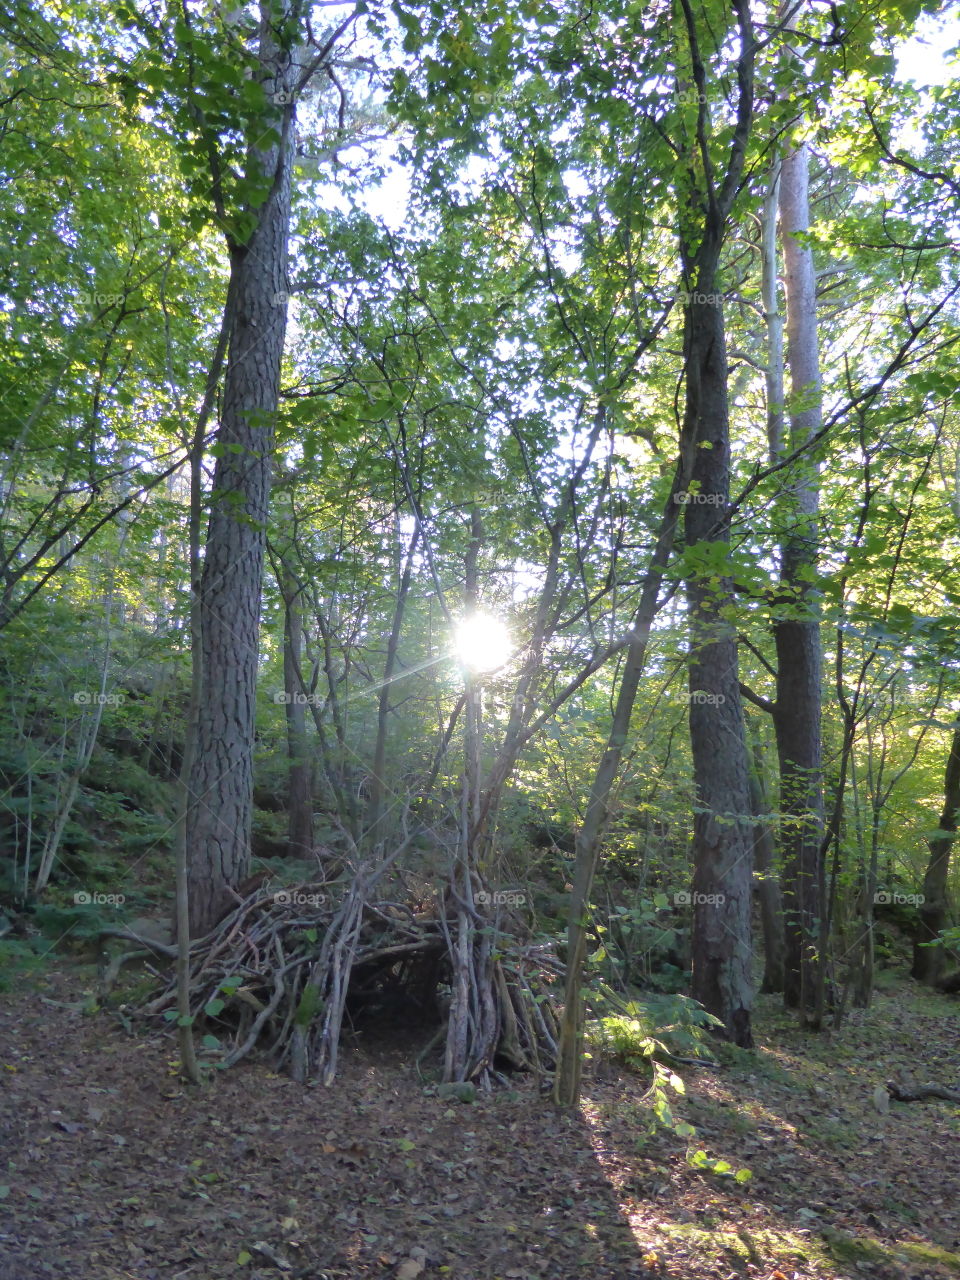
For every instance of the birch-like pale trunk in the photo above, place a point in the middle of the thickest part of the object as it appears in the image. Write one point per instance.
(797, 708)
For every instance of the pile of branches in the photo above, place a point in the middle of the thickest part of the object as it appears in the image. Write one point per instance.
(276, 974)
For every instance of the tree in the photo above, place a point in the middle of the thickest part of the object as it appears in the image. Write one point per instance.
(723, 817)
(796, 625)
(928, 954)
(221, 785)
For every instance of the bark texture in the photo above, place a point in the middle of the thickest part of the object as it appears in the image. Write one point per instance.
(723, 820)
(221, 787)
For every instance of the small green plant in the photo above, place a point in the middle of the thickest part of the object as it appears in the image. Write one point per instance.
(679, 1025)
(697, 1158)
(650, 1037)
(628, 1039)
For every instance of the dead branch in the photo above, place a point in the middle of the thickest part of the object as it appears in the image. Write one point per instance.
(920, 1092)
(278, 973)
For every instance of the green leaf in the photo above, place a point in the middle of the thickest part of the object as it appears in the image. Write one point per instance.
(214, 1007)
(380, 409)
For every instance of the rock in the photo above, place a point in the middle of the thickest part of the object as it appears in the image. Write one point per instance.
(881, 1100)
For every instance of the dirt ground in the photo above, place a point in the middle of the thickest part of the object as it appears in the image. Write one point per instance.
(112, 1169)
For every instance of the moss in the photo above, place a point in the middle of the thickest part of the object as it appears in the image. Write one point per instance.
(833, 1133)
(760, 1247)
(856, 1249)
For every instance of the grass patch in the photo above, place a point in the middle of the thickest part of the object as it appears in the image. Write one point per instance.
(21, 962)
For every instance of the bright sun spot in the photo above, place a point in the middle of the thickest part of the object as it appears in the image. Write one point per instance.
(482, 643)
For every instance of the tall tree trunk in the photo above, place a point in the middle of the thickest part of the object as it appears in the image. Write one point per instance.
(796, 626)
(772, 315)
(299, 761)
(710, 209)
(928, 960)
(181, 910)
(767, 881)
(221, 785)
(723, 822)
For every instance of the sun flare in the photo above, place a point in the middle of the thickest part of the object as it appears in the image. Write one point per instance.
(482, 643)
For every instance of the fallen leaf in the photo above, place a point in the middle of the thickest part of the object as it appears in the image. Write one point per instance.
(411, 1267)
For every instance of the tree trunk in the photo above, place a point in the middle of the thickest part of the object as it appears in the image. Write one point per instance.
(767, 881)
(181, 910)
(773, 316)
(928, 960)
(221, 786)
(723, 822)
(300, 763)
(796, 625)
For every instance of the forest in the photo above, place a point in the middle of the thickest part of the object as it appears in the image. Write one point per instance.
(479, 657)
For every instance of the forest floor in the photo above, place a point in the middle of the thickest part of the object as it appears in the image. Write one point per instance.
(113, 1169)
